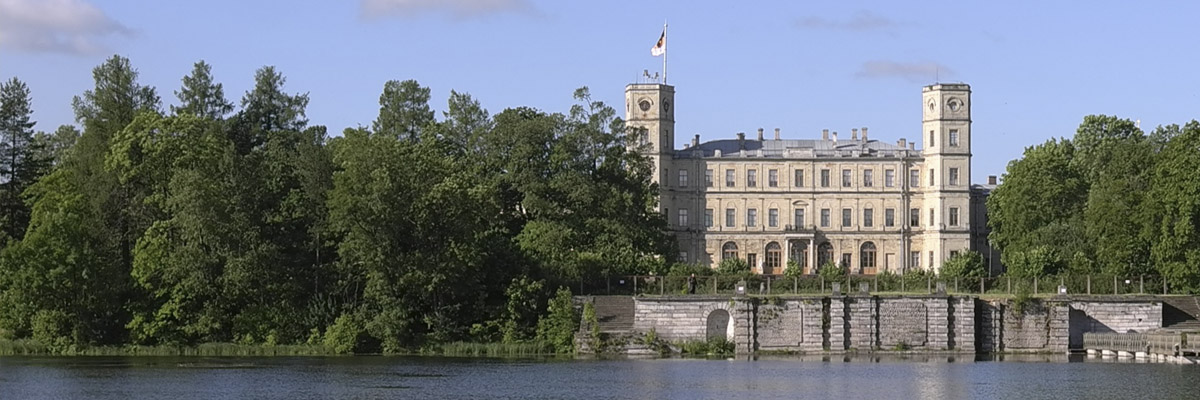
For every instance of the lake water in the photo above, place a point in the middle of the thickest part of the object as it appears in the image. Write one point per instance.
(916, 377)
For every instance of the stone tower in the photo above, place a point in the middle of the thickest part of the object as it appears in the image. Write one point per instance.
(946, 135)
(650, 109)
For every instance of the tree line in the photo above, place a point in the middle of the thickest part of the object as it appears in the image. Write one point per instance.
(1111, 200)
(216, 222)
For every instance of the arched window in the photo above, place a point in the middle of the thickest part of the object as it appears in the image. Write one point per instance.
(824, 254)
(774, 259)
(729, 251)
(867, 257)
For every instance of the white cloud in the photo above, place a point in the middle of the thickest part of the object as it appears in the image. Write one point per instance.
(456, 8)
(62, 26)
(914, 72)
(861, 22)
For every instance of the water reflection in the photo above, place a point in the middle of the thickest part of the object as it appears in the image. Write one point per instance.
(1022, 377)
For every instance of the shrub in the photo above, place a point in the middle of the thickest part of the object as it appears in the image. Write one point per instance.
(733, 266)
(968, 264)
(793, 270)
(832, 272)
(681, 269)
(54, 329)
(557, 328)
(348, 335)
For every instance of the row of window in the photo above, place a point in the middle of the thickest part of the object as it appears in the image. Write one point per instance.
(868, 178)
(868, 217)
(867, 256)
(953, 138)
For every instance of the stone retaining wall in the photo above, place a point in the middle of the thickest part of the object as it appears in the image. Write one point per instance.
(868, 323)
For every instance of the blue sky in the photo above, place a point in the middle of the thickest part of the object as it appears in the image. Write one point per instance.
(1036, 68)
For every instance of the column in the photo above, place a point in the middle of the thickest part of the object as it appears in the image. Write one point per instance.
(812, 254)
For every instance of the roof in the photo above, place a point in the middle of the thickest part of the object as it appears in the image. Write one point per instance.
(796, 148)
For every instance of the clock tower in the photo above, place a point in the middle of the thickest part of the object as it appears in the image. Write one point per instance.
(650, 121)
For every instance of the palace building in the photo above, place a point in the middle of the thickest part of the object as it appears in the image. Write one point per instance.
(869, 205)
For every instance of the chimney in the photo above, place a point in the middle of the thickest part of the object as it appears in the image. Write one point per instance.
(741, 140)
(824, 134)
(912, 146)
(776, 133)
(696, 140)
(864, 129)
(760, 137)
(835, 137)
(902, 143)
(992, 180)
(853, 133)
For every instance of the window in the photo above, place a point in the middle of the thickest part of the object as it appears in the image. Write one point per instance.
(931, 177)
(866, 258)
(845, 260)
(729, 181)
(751, 178)
(953, 216)
(683, 256)
(889, 217)
(729, 251)
(914, 217)
(914, 259)
(708, 218)
(845, 217)
(868, 217)
(708, 178)
(798, 218)
(868, 177)
(752, 217)
(931, 142)
(931, 217)
(846, 178)
(773, 217)
(914, 178)
(773, 178)
(730, 217)
(774, 259)
(953, 176)
(799, 181)
(683, 217)
(825, 178)
(683, 178)
(824, 254)
(954, 138)
(931, 259)
(824, 217)
(889, 178)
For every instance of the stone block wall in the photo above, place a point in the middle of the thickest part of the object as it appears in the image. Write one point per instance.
(684, 319)
(790, 325)
(1119, 316)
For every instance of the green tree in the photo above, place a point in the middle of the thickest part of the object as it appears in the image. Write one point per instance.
(1040, 203)
(1173, 227)
(55, 147)
(266, 109)
(968, 264)
(200, 96)
(403, 110)
(20, 161)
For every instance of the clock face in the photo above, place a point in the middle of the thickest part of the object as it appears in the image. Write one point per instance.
(666, 106)
(644, 105)
(954, 104)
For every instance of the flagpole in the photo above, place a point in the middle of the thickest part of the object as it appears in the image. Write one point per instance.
(664, 52)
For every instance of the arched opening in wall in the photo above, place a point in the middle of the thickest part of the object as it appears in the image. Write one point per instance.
(798, 252)
(729, 251)
(774, 259)
(867, 258)
(718, 325)
(824, 254)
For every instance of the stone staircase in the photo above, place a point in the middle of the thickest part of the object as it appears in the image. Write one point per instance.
(1181, 313)
(614, 313)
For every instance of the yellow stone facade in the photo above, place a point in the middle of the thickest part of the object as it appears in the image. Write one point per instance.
(869, 205)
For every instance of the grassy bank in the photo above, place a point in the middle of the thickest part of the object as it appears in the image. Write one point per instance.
(471, 349)
(26, 347)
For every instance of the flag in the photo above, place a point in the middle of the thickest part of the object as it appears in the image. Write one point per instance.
(660, 48)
